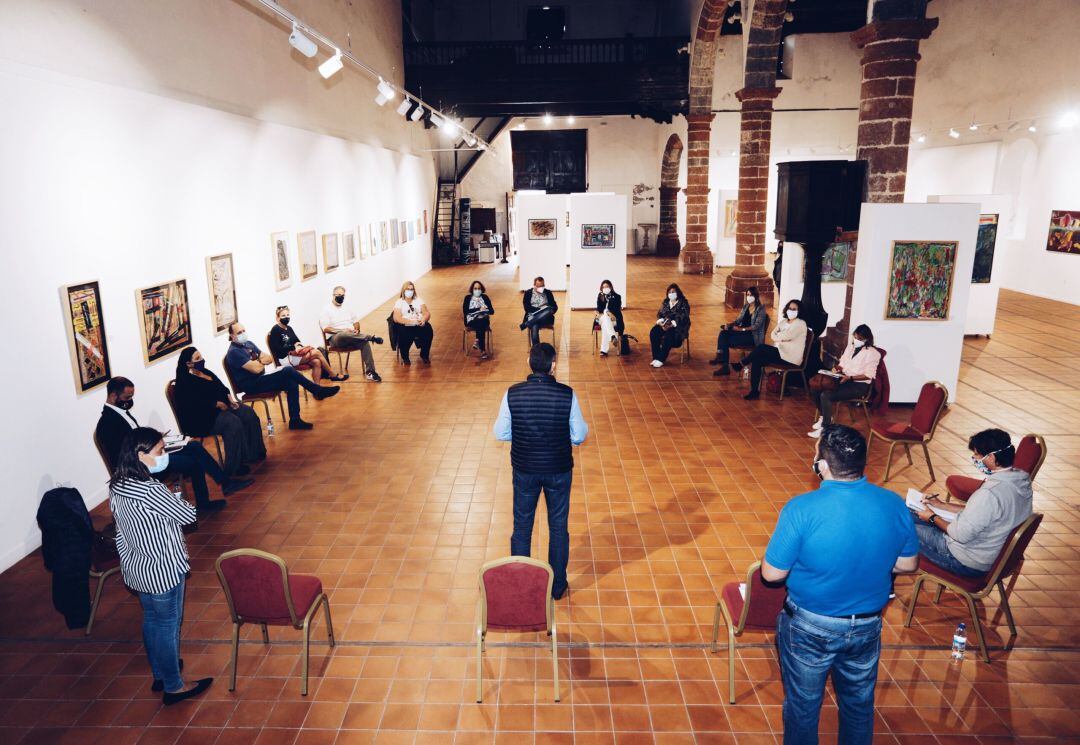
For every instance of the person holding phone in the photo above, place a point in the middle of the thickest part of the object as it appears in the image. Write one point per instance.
(672, 325)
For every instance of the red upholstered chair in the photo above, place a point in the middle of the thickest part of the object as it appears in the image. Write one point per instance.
(515, 595)
(919, 431)
(1007, 564)
(259, 589)
(1030, 454)
(756, 612)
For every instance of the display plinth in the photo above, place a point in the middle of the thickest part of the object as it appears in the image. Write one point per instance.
(589, 266)
(542, 237)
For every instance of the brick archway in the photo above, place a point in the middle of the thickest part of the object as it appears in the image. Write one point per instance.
(667, 240)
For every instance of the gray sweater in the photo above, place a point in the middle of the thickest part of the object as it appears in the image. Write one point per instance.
(1003, 501)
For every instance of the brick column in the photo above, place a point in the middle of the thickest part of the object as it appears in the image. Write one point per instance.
(890, 57)
(755, 141)
(667, 240)
(695, 257)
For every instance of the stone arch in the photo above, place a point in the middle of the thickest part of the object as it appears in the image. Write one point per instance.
(667, 239)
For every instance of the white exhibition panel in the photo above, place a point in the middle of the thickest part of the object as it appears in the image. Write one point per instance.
(591, 266)
(983, 300)
(918, 350)
(724, 253)
(833, 294)
(542, 258)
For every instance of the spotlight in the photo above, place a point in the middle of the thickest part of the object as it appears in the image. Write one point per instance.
(470, 139)
(920, 138)
(1070, 119)
(417, 113)
(734, 153)
(329, 68)
(519, 125)
(570, 119)
(448, 126)
(954, 134)
(1031, 127)
(302, 44)
(403, 107)
(436, 120)
(548, 119)
(386, 92)
(973, 127)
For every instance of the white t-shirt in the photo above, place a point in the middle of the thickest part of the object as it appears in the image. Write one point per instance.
(410, 309)
(336, 317)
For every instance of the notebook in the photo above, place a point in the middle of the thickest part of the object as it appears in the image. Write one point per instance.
(915, 502)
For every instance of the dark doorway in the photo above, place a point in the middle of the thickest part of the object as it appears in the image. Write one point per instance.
(554, 162)
(545, 23)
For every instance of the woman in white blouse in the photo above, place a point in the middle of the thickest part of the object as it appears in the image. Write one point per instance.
(411, 318)
(790, 337)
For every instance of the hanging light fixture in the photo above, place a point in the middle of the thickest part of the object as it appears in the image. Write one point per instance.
(301, 43)
(921, 138)
(1031, 127)
(954, 134)
(570, 119)
(385, 92)
(973, 126)
(331, 67)
(548, 119)
(403, 107)
(417, 113)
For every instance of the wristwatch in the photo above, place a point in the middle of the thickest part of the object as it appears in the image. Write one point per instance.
(931, 520)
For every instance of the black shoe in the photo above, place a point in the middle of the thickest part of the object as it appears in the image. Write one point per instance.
(407, 363)
(752, 396)
(234, 485)
(339, 378)
(522, 326)
(559, 594)
(603, 354)
(174, 698)
(715, 360)
(213, 505)
(159, 685)
(377, 339)
(242, 471)
(425, 360)
(326, 392)
(737, 366)
(373, 377)
(300, 424)
(721, 371)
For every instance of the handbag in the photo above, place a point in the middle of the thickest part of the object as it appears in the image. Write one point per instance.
(820, 383)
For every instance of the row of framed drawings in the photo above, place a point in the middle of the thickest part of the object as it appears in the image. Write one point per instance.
(340, 249)
(593, 235)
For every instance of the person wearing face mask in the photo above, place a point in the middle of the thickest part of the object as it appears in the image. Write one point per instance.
(790, 337)
(153, 555)
(412, 324)
(969, 544)
(287, 349)
(747, 331)
(540, 308)
(672, 325)
(204, 406)
(857, 369)
(837, 548)
(477, 309)
(609, 316)
(343, 328)
(191, 461)
(246, 366)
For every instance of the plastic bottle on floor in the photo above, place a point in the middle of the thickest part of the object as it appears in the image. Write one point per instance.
(269, 427)
(959, 643)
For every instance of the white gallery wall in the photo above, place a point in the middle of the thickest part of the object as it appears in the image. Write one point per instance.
(546, 257)
(591, 266)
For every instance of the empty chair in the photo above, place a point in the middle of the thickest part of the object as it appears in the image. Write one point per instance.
(919, 431)
(1030, 454)
(259, 589)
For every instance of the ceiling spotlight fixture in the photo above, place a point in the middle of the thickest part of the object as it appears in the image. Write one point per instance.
(548, 119)
(570, 119)
(1031, 127)
(954, 134)
(1070, 119)
(417, 113)
(403, 107)
(920, 138)
(973, 126)
(448, 126)
(734, 153)
(1014, 126)
(386, 92)
(331, 67)
(470, 139)
(302, 44)
(519, 125)
(436, 120)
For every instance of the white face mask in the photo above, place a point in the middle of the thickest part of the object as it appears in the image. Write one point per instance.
(539, 290)
(477, 292)
(672, 297)
(606, 290)
(749, 299)
(857, 343)
(409, 294)
(242, 338)
(792, 314)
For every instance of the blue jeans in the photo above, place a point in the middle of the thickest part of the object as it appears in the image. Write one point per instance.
(932, 546)
(162, 616)
(812, 646)
(556, 488)
(287, 379)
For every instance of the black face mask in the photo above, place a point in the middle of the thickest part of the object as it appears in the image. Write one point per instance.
(285, 319)
(816, 466)
(339, 299)
(200, 365)
(125, 405)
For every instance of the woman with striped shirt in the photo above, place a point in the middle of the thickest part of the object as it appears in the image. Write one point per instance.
(153, 555)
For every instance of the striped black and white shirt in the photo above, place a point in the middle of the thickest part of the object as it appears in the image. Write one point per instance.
(149, 517)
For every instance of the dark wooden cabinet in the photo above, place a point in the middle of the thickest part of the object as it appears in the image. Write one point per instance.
(555, 162)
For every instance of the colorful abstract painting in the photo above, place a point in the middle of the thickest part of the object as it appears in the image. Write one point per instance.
(984, 250)
(1064, 236)
(920, 280)
(598, 235)
(543, 230)
(834, 262)
(86, 334)
(731, 217)
(164, 319)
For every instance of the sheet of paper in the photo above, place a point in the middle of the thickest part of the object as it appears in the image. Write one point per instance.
(915, 502)
(830, 373)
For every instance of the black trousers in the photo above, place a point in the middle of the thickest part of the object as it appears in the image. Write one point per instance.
(729, 338)
(241, 432)
(664, 341)
(421, 336)
(195, 463)
(761, 355)
(542, 319)
(480, 326)
(844, 392)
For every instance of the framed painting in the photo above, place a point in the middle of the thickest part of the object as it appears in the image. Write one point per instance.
(731, 217)
(403, 232)
(920, 280)
(309, 255)
(412, 230)
(330, 253)
(348, 247)
(86, 335)
(425, 221)
(164, 319)
(1064, 236)
(598, 235)
(384, 236)
(545, 229)
(279, 250)
(363, 243)
(984, 250)
(221, 280)
(834, 262)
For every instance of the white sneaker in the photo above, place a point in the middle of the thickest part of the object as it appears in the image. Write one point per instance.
(814, 433)
(656, 363)
(818, 423)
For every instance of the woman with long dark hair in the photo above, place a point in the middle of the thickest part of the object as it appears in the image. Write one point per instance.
(476, 310)
(609, 316)
(851, 378)
(790, 338)
(747, 332)
(153, 555)
(204, 406)
(672, 325)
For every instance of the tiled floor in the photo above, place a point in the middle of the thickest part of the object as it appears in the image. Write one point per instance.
(400, 493)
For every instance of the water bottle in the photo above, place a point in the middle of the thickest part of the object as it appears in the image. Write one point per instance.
(959, 643)
(270, 428)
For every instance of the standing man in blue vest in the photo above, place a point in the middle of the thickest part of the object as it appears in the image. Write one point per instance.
(541, 420)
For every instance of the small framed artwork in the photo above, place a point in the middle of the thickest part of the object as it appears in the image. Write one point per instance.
(363, 234)
(1064, 235)
(164, 319)
(348, 247)
(403, 232)
(279, 250)
(221, 280)
(731, 217)
(412, 230)
(984, 250)
(309, 254)
(425, 221)
(330, 254)
(834, 262)
(600, 235)
(86, 335)
(920, 280)
(545, 229)
(384, 236)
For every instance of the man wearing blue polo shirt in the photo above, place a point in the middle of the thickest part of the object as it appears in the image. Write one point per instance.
(838, 547)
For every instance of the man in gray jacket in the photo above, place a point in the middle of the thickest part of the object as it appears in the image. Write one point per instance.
(970, 544)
